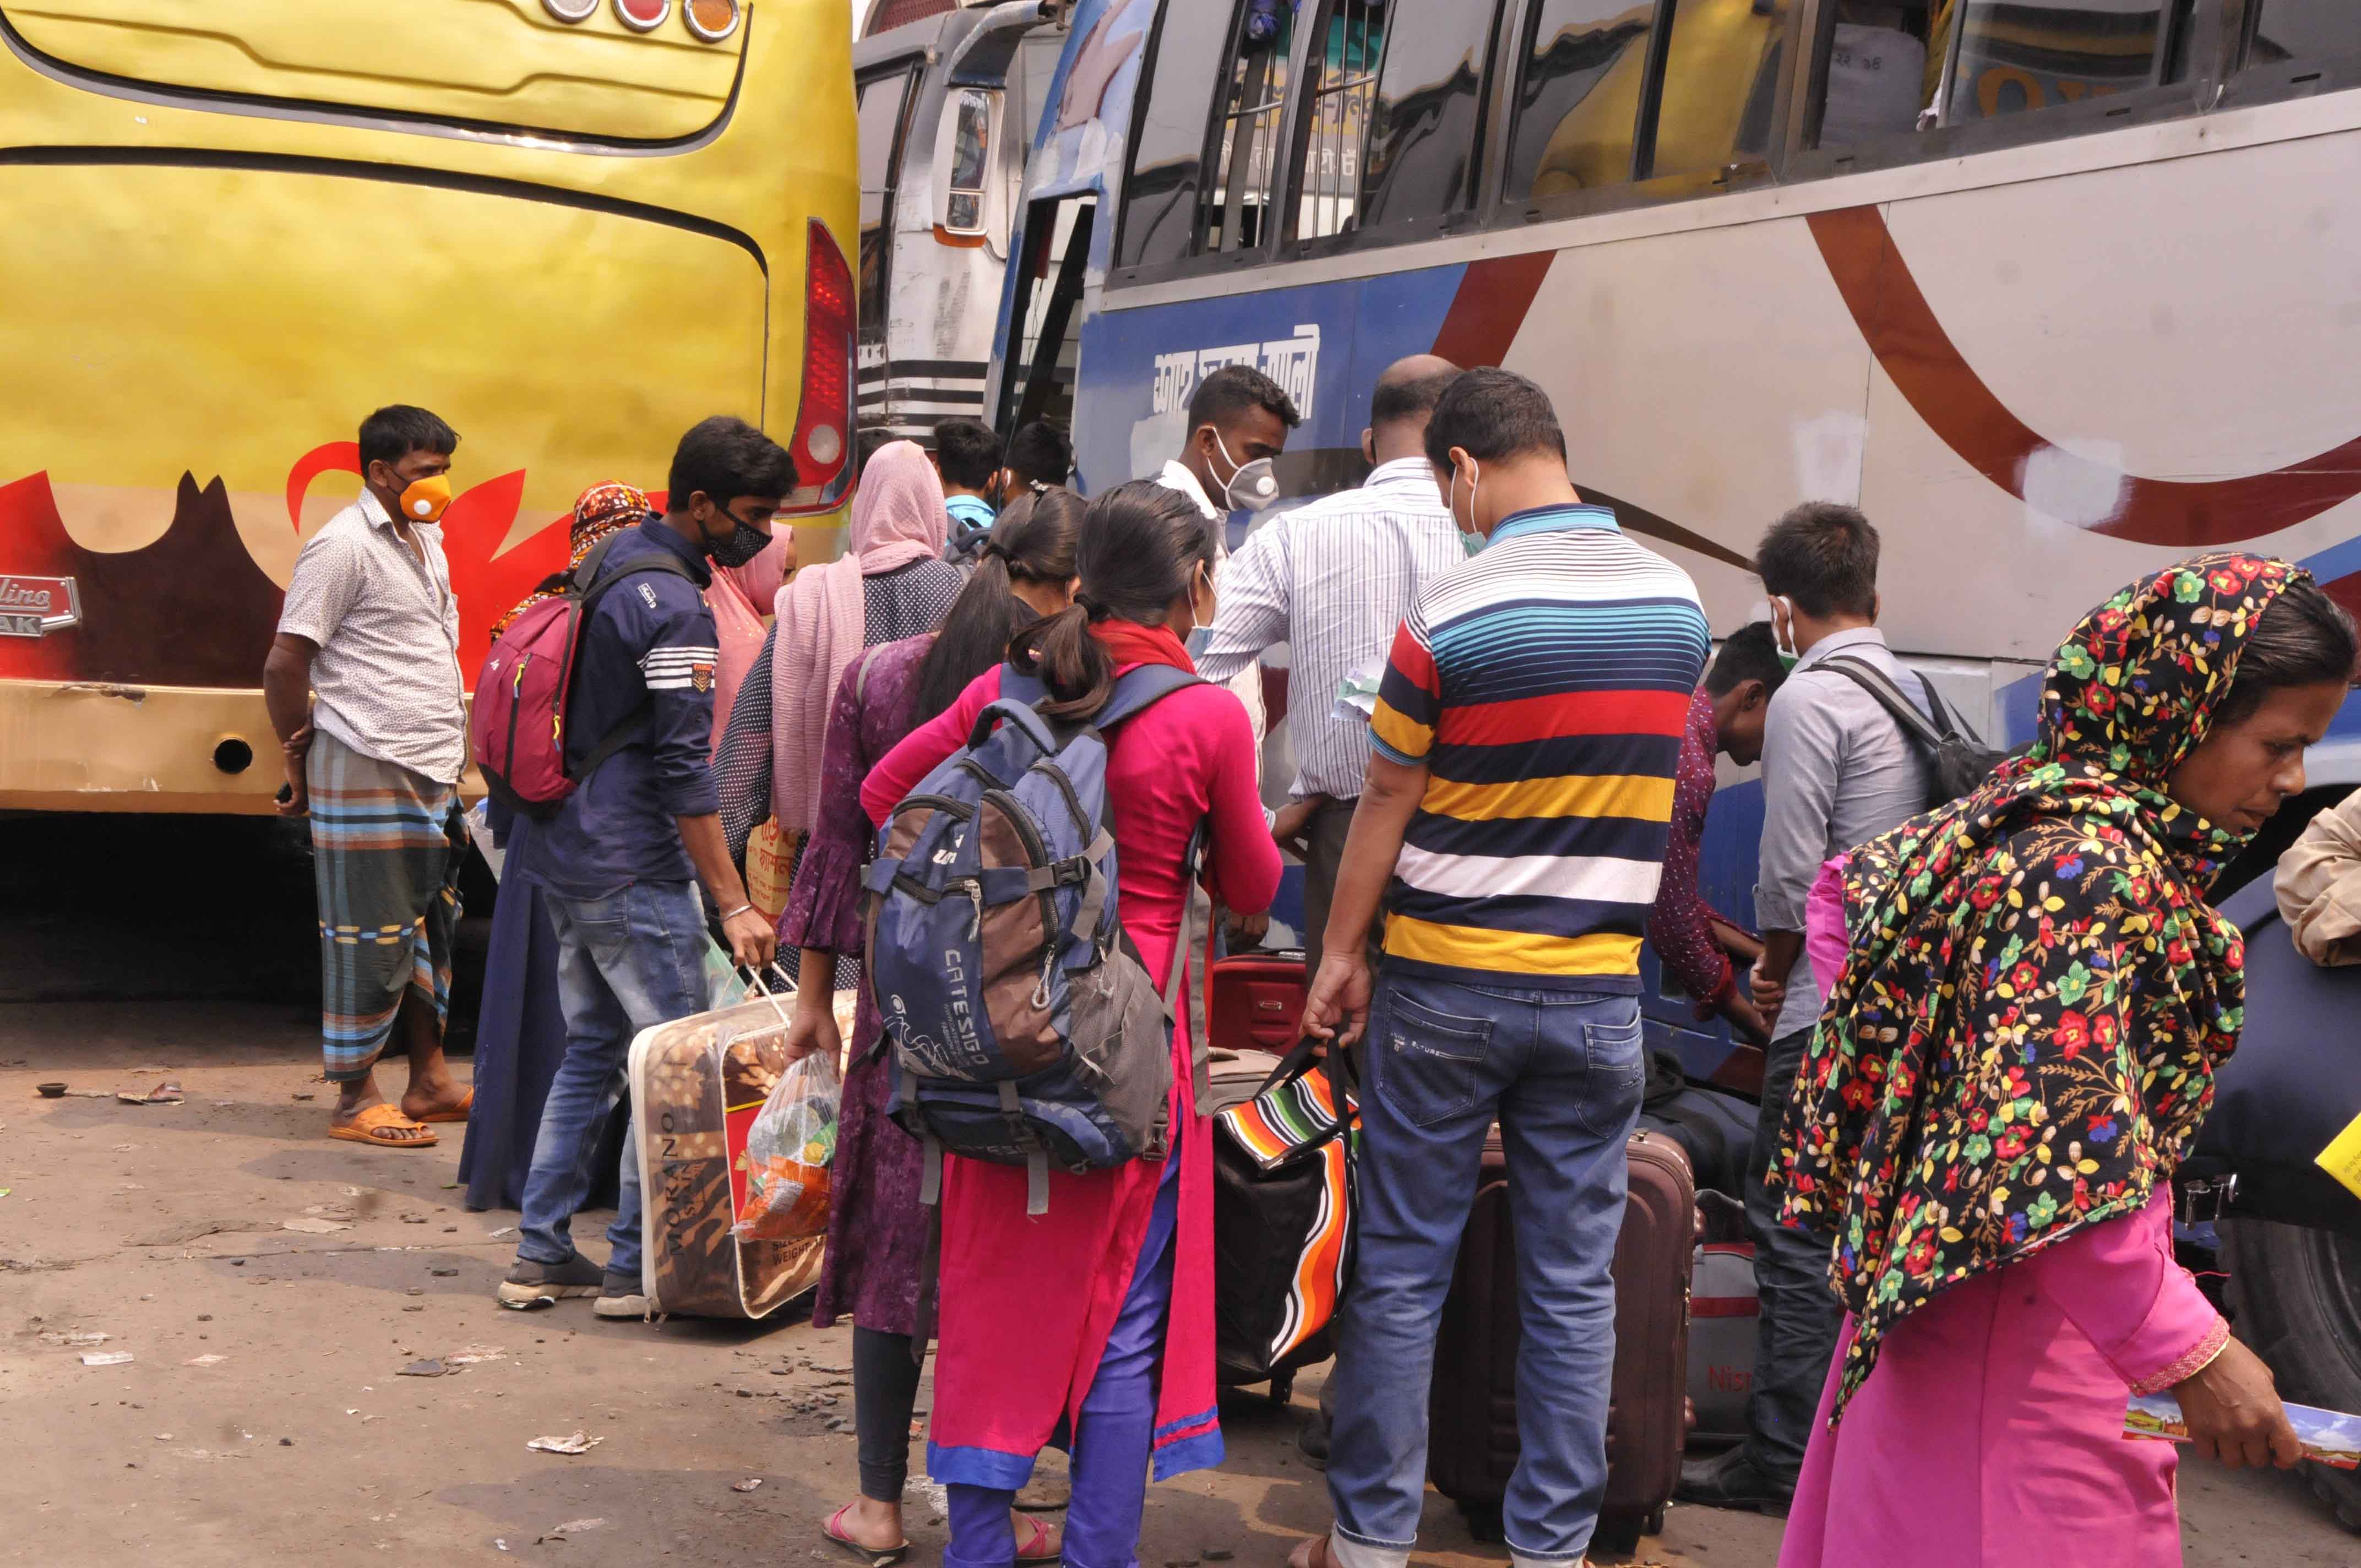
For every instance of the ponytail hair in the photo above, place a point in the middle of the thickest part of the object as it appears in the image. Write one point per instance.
(1141, 546)
(1033, 541)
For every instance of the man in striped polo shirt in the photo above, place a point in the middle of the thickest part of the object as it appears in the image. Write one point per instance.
(1514, 820)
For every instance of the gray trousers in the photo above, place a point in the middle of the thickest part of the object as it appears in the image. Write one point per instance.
(1795, 1337)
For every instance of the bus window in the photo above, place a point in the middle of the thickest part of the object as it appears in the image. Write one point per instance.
(884, 101)
(2298, 30)
(1721, 69)
(2018, 55)
(1880, 76)
(1422, 143)
(1168, 146)
(1579, 96)
(1244, 145)
(1344, 89)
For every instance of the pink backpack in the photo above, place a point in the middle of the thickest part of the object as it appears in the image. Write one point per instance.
(518, 723)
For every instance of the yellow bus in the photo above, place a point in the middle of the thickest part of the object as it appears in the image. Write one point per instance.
(571, 227)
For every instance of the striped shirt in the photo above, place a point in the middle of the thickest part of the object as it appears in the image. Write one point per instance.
(1544, 685)
(1333, 579)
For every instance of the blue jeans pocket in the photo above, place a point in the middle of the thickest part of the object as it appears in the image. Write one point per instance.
(1617, 1061)
(1428, 1070)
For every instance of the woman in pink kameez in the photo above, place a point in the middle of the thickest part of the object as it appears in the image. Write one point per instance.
(2019, 1050)
(1092, 1324)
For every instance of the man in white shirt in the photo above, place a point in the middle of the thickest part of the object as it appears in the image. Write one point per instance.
(1333, 581)
(1238, 420)
(363, 685)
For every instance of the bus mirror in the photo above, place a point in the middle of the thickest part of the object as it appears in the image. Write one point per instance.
(964, 162)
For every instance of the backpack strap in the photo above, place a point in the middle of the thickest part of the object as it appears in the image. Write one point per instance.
(1879, 684)
(1141, 688)
(588, 585)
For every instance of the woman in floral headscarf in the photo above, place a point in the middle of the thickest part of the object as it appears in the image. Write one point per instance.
(2019, 1051)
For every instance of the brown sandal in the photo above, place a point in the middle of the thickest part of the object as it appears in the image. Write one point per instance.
(378, 1123)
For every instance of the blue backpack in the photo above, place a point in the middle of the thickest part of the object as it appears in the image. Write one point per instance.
(1025, 1028)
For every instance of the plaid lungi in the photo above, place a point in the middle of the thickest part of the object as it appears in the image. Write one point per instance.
(387, 847)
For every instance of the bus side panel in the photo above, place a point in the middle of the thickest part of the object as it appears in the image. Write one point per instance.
(199, 383)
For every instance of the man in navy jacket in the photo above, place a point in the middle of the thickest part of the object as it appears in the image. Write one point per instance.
(616, 864)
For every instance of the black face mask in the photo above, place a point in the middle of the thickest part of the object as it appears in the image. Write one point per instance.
(745, 542)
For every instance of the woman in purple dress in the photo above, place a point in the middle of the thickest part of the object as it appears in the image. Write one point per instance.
(876, 1234)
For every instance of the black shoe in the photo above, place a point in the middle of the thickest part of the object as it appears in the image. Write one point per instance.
(619, 1297)
(1731, 1481)
(1312, 1439)
(529, 1283)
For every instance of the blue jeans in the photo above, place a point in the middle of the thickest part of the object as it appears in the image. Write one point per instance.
(625, 962)
(1117, 1431)
(1561, 1070)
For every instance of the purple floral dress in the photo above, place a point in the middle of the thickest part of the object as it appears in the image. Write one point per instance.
(876, 1234)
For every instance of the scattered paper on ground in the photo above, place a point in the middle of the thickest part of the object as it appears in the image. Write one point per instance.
(106, 1358)
(205, 1360)
(577, 1443)
(312, 1227)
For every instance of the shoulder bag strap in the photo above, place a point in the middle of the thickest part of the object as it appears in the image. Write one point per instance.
(1877, 683)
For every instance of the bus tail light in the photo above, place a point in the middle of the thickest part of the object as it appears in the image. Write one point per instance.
(823, 441)
(711, 20)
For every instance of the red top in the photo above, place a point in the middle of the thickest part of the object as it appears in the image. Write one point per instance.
(1026, 1304)
(1680, 924)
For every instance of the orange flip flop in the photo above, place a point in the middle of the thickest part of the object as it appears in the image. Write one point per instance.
(372, 1125)
(457, 1114)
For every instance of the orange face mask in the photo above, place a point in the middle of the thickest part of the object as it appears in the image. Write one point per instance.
(426, 499)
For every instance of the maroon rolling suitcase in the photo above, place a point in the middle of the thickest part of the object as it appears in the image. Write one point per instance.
(1472, 1446)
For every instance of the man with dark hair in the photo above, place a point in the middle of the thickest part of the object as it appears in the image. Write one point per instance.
(967, 455)
(615, 863)
(1037, 455)
(1837, 770)
(1695, 944)
(1238, 421)
(363, 687)
(1513, 822)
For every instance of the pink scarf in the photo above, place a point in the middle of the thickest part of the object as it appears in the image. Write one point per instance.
(898, 518)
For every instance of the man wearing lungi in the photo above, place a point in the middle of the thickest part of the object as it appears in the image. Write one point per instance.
(364, 688)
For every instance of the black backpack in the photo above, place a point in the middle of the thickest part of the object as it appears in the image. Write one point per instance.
(1957, 761)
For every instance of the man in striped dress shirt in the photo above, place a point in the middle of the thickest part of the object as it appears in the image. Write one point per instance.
(1332, 580)
(1514, 819)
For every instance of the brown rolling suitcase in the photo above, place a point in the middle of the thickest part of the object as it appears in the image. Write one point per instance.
(1472, 1408)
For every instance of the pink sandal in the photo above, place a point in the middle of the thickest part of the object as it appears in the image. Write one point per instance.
(1037, 1549)
(876, 1556)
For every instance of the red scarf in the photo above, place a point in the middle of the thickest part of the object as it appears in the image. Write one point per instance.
(1128, 642)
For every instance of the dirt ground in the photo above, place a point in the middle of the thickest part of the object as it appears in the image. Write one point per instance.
(264, 1419)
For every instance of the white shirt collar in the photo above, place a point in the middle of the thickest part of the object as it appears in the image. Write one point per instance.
(374, 509)
(1175, 477)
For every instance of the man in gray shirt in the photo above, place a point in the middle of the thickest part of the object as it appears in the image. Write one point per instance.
(1837, 770)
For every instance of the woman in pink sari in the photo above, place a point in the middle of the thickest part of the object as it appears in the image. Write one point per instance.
(2018, 1052)
(1092, 1323)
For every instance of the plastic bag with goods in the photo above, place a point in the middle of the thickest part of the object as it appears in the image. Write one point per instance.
(788, 1152)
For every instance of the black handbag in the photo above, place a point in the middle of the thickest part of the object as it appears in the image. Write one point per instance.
(1282, 1218)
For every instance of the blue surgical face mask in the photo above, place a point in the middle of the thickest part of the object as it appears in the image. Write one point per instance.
(1470, 540)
